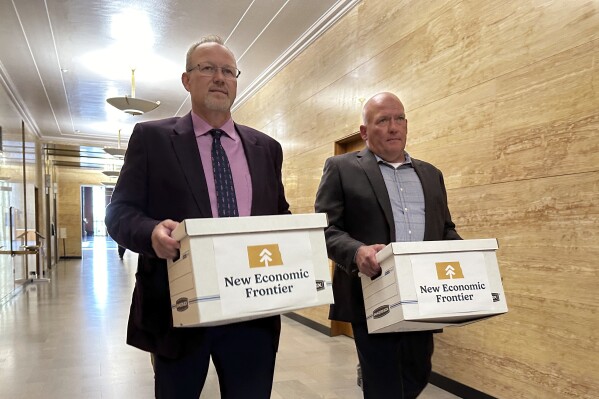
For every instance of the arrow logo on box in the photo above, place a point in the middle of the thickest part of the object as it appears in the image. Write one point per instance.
(449, 270)
(264, 255)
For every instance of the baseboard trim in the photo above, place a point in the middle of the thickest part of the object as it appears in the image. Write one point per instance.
(309, 323)
(457, 388)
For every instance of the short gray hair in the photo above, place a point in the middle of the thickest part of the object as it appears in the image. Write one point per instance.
(206, 39)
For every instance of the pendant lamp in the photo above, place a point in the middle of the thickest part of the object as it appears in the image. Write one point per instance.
(117, 152)
(111, 173)
(132, 105)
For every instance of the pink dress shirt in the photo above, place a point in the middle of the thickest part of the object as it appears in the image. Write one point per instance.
(239, 167)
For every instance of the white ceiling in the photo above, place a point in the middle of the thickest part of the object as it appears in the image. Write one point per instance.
(61, 59)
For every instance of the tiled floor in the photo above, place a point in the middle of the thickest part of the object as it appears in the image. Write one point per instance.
(66, 339)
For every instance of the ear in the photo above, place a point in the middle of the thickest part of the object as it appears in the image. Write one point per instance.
(363, 132)
(185, 80)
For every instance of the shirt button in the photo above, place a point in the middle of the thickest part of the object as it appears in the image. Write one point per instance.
(405, 209)
(409, 231)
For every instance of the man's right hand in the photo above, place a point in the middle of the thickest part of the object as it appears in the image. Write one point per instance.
(366, 259)
(164, 245)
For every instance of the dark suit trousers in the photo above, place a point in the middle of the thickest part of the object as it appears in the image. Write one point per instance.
(394, 365)
(244, 358)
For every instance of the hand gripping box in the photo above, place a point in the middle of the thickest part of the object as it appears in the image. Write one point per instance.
(429, 285)
(234, 269)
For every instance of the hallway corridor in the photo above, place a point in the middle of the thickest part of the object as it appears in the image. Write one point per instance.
(65, 339)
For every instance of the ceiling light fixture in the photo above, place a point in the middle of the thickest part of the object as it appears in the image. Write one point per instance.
(117, 152)
(132, 105)
(111, 173)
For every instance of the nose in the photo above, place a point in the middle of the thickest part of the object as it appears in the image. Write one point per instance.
(218, 75)
(394, 126)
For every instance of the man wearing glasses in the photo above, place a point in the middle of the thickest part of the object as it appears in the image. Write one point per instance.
(201, 165)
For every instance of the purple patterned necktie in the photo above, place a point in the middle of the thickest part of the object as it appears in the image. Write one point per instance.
(223, 179)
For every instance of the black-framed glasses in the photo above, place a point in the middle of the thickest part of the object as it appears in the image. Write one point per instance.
(207, 69)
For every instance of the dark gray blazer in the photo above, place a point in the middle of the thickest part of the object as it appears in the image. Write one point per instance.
(353, 194)
(162, 178)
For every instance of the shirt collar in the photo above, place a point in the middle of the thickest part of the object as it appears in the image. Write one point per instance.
(408, 160)
(201, 127)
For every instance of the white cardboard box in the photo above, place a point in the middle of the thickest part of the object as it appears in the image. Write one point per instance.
(234, 269)
(429, 285)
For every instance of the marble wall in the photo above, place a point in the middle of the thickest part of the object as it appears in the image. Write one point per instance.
(503, 98)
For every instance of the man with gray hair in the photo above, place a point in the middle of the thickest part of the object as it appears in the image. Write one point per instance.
(201, 165)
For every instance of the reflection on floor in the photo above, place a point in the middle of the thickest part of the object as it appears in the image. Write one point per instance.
(66, 339)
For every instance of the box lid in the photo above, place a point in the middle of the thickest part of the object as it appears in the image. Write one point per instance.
(249, 224)
(422, 247)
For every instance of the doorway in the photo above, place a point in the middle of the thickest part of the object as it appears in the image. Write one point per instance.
(93, 211)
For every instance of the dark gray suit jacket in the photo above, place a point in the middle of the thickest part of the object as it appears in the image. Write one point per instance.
(353, 194)
(162, 178)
